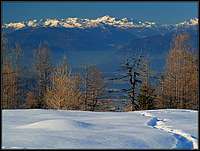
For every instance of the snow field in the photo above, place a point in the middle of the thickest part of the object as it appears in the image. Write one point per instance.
(60, 129)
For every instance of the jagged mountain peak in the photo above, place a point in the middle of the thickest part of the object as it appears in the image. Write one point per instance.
(190, 22)
(73, 22)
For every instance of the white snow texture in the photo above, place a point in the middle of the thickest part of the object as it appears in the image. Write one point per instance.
(60, 129)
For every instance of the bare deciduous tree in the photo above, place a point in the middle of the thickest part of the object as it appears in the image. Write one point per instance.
(9, 76)
(94, 87)
(43, 68)
(8, 86)
(31, 101)
(64, 92)
(180, 88)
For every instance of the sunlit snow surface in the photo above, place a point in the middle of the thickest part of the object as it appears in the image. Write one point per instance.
(46, 129)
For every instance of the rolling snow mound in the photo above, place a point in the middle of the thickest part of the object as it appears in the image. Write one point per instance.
(62, 129)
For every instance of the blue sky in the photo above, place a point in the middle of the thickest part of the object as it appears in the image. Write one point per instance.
(160, 12)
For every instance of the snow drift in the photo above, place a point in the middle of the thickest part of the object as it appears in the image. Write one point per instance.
(152, 129)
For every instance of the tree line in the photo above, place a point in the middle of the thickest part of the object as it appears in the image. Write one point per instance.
(51, 86)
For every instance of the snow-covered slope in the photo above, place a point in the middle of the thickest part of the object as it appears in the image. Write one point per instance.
(159, 129)
(191, 22)
(88, 23)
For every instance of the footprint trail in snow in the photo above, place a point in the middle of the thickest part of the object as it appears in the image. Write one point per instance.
(184, 140)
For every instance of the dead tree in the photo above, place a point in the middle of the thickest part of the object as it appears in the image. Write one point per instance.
(132, 75)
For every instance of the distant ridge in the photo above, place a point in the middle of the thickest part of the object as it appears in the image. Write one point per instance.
(91, 23)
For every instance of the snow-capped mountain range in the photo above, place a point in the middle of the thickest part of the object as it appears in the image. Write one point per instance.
(90, 23)
(103, 41)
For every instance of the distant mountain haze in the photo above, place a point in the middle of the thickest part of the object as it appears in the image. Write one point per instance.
(104, 41)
